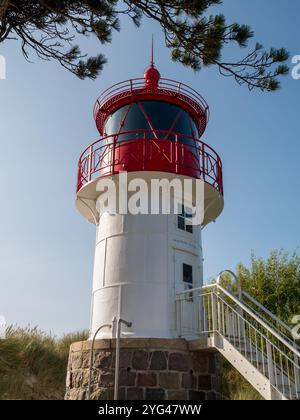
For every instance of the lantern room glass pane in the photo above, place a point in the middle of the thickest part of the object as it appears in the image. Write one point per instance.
(161, 115)
(153, 115)
(113, 122)
(135, 119)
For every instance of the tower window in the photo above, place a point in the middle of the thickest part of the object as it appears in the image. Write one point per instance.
(187, 276)
(184, 220)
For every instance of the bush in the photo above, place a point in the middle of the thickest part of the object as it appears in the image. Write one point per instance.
(275, 283)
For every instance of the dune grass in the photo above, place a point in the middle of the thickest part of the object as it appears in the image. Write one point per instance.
(33, 364)
(235, 387)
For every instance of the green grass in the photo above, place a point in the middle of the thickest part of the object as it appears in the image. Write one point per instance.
(33, 364)
(235, 387)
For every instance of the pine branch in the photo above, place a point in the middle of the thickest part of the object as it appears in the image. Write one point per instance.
(196, 38)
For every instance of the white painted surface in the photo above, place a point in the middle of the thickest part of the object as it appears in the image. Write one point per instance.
(138, 271)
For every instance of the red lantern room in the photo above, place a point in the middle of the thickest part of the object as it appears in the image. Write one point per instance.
(150, 124)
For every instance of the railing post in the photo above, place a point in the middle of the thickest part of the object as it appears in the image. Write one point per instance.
(179, 315)
(206, 314)
(200, 313)
(240, 316)
(215, 315)
(176, 153)
(297, 375)
(144, 151)
(203, 161)
(228, 323)
(197, 312)
(114, 154)
(90, 163)
(214, 312)
(79, 176)
(220, 176)
(270, 362)
(176, 315)
(241, 319)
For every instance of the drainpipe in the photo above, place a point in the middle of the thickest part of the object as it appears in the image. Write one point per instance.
(117, 365)
(92, 357)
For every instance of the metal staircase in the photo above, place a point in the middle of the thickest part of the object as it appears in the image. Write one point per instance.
(250, 337)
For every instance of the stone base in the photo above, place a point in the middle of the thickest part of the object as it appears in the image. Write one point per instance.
(150, 369)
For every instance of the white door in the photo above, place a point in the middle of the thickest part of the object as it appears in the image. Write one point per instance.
(186, 272)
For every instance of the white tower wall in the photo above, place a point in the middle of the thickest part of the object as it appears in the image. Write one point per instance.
(138, 270)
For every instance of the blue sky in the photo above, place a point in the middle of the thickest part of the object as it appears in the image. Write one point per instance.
(46, 248)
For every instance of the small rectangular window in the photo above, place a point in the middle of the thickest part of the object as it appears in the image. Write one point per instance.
(189, 228)
(187, 275)
(183, 221)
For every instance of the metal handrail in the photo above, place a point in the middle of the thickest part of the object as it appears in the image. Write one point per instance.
(119, 322)
(278, 366)
(145, 131)
(223, 314)
(92, 357)
(236, 279)
(242, 294)
(209, 164)
(135, 85)
(272, 316)
(263, 308)
(249, 312)
(256, 329)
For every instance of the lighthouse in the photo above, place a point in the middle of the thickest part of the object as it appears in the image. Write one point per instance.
(151, 133)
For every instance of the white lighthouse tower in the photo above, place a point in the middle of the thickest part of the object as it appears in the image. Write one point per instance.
(150, 185)
(150, 129)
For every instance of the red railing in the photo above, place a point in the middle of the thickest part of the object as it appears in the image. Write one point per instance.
(166, 88)
(148, 150)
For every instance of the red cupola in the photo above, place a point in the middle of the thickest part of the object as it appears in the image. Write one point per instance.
(151, 124)
(152, 77)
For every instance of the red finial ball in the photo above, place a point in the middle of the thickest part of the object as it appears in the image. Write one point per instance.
(152, 77)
